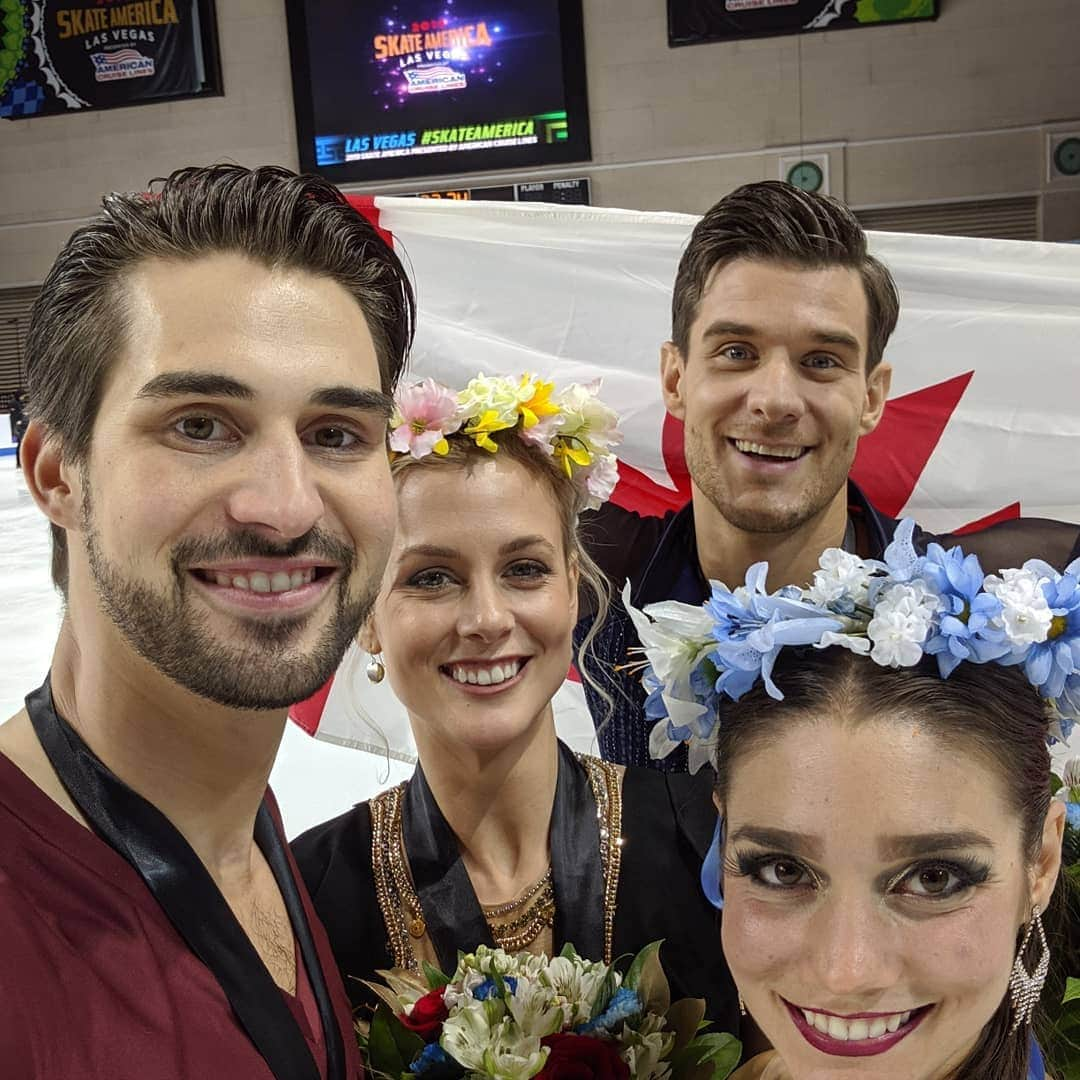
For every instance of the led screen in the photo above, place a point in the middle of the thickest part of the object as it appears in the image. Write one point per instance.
(397, 89)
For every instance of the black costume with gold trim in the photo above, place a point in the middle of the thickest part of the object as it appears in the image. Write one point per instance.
(613, 894)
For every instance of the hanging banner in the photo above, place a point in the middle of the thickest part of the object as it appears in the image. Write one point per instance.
(57, 57)
(691, 22)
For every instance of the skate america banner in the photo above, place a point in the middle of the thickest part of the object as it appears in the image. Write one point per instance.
(983, 422)
(57, 57)
(691, 22)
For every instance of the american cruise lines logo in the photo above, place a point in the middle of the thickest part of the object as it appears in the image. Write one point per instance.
(121, 64)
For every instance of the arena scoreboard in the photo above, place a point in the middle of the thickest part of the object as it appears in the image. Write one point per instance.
(574, 192)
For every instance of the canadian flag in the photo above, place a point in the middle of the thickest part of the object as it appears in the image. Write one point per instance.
(983, 424)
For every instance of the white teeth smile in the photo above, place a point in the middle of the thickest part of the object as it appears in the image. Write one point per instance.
(486, 676)
(855, 1030)
(768, 451)
(265, 583)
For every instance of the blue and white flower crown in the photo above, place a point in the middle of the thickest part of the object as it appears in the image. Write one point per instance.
(895, 611)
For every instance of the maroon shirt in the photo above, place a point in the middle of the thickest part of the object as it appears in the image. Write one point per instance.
(95, 983)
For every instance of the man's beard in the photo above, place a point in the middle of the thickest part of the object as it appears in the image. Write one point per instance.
(768, 516)
(256, 668)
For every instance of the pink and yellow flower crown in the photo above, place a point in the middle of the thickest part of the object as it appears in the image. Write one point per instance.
(573, 425)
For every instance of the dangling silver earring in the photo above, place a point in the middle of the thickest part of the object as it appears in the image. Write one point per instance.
(742, 1005)
(1024, 988)
(375, 670)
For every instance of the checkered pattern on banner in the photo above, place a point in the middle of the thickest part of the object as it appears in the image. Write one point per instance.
(24, 99)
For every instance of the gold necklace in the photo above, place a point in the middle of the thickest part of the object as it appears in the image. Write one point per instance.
(530, 918)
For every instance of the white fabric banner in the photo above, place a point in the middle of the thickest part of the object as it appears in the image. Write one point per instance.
(984, 419)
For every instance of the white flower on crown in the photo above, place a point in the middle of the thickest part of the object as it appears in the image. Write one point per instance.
(902, 619)
(675, 638)
(586, 417)
(1026, 615)
(494, 393)
(841, 574)
(600, 480)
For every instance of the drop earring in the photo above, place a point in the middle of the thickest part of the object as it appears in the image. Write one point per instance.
(375, 669)
(1025, 988)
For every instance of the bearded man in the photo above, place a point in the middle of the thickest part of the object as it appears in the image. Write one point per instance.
(209, 367)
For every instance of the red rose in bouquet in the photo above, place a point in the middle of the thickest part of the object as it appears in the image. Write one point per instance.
(582, 1057)
(427, 1016)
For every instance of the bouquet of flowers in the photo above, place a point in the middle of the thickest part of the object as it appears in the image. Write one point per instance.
(516, 1017)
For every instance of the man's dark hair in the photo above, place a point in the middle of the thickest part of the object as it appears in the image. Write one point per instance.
(778, 222)
(268, 214)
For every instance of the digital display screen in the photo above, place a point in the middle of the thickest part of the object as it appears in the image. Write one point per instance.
(575, 192)
(691, 22)
(402, 88)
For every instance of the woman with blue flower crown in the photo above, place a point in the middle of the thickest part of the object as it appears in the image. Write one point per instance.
(504, 837)
(888, 851)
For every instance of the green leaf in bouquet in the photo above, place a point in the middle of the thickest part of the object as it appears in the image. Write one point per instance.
(500, 985)
(384, 1053)
(1072, 990)
(1059, 1037)
(1061, 1046)
(684, 1018)
(435, 978)
(604, 993)
(1070, 847)
(409, 1044)
(568, 952)
(646, 976)
(712, 1056)
(1056, 783)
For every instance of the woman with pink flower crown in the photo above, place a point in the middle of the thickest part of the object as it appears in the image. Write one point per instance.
(887, 852)
(503, 836)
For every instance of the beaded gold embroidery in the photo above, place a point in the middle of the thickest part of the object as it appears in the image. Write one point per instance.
(606, 783)
(400, 906)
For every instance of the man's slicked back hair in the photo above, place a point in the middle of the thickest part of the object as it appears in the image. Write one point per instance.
(269, 214)
(777, 222)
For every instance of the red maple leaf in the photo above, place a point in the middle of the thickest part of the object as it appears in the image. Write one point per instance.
(887, 467)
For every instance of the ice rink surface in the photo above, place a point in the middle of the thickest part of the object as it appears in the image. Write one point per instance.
(313, 780)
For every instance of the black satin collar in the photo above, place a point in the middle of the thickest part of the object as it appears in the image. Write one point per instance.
(186, 892)
(450, 908)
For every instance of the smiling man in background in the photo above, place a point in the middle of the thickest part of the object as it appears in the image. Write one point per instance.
(210, 368)
(780, 320)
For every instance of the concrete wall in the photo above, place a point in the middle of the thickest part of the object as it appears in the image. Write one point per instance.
(53, 170)
(955, 109)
